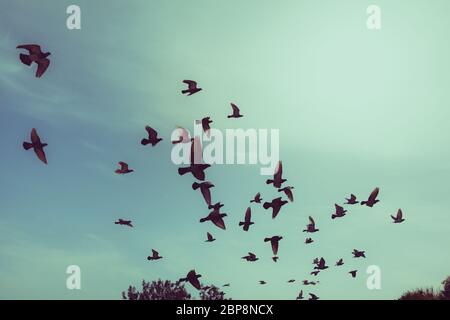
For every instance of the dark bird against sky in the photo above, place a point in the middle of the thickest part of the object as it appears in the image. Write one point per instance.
(276, 205)
(192, 87)
(123, 168)
(372, 198)
(236, 112)
(35, 55)
(152, 137)
(37, 146)
(247, 220)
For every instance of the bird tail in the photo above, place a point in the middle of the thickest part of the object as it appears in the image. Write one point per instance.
(27, 145)
(145, 142)
(252, 201)
(266, 205)
(203, 219)
(195, 185)
(269, 181)
(185, 91)
(25, 59)
(241, 223)
(182, 171)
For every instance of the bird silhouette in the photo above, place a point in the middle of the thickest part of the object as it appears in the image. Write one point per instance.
(122, 222)
(300, 295)
(184, 136)
(372, 198)
(309, 240)
(291, 281)
(152, 137)
(351, 200)
(353, 273)
(192, 278)
(309, 283)
(155, 255)
(262, 282)
(316, 261)
(276, 205)
(37, 146)
(210, 237)
(247, 220)
(205, 125)
(340, 212)
(196, 167)
(277, 177)
(192, 87)
(236, 112)
(257, 198)
(215, 206)
(321, 265)
(274, 242)
(399, 217)
(204, 188)
(35, 55)
(358, 254)
(123, 168)
(315, 273)
(251, 257)
(340, 262)
(313, 297)
(226, 285)
(288, 192)
(216, 218)
(311, 227)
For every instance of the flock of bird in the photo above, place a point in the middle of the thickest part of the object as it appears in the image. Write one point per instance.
(197, 168)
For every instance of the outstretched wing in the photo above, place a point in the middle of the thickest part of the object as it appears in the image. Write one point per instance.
(235, 109)
(32, 48)
(123, 165)
(151, 132)
(399, 214)
(248, 215)
(42, 67)
(274, 247)
(191, 84)
(35, 139)
(311, 221)
(155, 253)
(374, 194)
(278, 171)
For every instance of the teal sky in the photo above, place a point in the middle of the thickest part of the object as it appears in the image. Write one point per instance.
(355, 108)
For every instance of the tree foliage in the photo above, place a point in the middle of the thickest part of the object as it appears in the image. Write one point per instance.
(429, 293)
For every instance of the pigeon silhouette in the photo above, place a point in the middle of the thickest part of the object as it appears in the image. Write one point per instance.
(315, 273)
(274, 242)
(321, 265)
(215, 206)
(358, 254)
(35, 55)
(340, 262)
(197, 167)
(399, 217)
(192, 87)
(257, 198)
(123, 168)
(340, 212)
(124, 223)
(37, 146)
(204, 188)
(155, 255)
(276, 205)
(251, 257)
(152, 137)
(247, 220)
(288, 192)
(300, 295)
(351, 200)
(313, 297)
(262, 282)
(205, 125)
(184, 136)
(216, 218)
(353, 273)
(277, 177)
(309, 240)
(236, 112)
(291, 281)
(210, 237)
(311, 227)
(192, 278)
(226, 285)
(372, 198)
(309, 283)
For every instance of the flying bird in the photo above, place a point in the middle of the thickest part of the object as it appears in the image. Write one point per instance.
(321, 265)
(124, 223)
(205, 125)
(315, 273)
(309, 283)
(340, 262)
(257, 198)
(37, 146)
(210, 237)
(351, 200)
(226, 285)
(291, 281)
(35, 55)
(372, 198)
(152, 137)
(215, 206)
(358, 254)
(311, 227)
(262, 282)
(216, 218)
(313, 297)
(184, 136)
(155, 255)
(247, 220)
(288, 192)
(277, 177)
(236, 112)
(340, 212)
(309, 240)
(399, 217)
(196, 167)
(123, 168)
(192, 87)
(192, 278)
(276, 205)
(204, 188)
(353, 273)
(274, 242)
(251, 257)
(300, 295)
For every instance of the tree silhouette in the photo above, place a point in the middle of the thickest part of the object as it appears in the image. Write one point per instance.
(167, 290)
(429, 293)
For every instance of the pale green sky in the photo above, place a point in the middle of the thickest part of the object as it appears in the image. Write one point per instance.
(355, 108)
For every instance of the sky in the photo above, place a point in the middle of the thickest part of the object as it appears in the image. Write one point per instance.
(355, 109)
